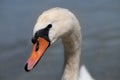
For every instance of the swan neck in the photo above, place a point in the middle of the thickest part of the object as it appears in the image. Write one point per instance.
(72, 56)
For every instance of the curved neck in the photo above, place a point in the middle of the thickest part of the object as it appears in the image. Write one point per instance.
(72, 56)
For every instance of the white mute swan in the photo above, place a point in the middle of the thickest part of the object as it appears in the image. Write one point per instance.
(51, 25)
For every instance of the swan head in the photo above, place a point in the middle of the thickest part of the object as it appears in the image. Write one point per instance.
(50, 26)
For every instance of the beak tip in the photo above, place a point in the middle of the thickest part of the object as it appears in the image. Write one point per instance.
(26, 68)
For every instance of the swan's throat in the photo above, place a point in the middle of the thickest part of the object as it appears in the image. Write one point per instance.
(72, 56)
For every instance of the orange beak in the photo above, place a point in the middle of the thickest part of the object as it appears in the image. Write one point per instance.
(38, 50)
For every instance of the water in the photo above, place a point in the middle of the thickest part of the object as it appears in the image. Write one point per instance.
(100, 22)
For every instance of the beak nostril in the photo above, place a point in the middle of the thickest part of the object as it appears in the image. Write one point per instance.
(37, 46)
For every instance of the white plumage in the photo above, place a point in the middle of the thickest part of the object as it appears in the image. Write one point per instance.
(65, 26)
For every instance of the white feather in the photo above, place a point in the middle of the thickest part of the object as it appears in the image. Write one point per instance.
(65, 26)
(84, 74)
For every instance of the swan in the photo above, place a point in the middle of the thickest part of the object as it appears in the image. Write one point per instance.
(51, 25)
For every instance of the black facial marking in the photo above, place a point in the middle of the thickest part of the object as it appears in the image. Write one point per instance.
(42, 33)
(49, 26)
(34, 40)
